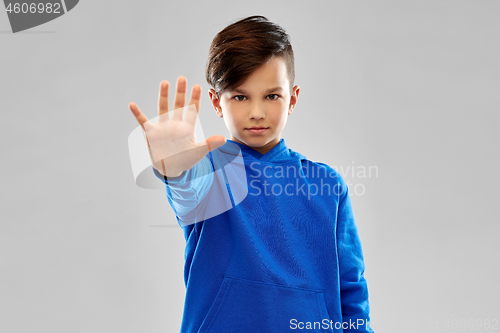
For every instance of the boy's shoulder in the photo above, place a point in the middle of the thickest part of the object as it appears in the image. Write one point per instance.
(318, 169)
(313, 164)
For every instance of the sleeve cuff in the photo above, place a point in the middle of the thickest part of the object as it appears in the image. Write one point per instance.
(172, 180)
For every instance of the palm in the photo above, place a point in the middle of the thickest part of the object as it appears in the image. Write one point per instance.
(169, 137)
(172, 142)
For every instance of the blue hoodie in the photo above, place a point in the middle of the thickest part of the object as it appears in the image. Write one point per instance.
(271, 244)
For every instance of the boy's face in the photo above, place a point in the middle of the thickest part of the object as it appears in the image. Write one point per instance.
(256, 103)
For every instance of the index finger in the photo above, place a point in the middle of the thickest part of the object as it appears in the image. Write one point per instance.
(191, 115)
(195, 96)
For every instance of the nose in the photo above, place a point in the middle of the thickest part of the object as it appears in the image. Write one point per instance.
(257, 111)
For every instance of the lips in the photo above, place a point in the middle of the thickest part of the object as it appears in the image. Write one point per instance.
(257, 130)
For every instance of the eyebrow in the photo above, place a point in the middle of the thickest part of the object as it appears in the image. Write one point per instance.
(268, 91)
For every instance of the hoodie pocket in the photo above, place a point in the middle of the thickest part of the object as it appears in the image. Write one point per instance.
(249, 306)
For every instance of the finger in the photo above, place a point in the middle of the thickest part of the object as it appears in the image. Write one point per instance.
(203, 148)
(139, 116)
(163, 101)
(180, 98)
(194, 105)
(195, 96)
(210, 144)
(215, 142)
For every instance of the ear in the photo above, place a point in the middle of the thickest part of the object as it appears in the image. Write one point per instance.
(215, 102)
(293, 99)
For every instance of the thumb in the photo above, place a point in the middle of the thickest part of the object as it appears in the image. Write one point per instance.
(215, 142)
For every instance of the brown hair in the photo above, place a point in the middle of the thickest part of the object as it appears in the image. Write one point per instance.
(240, 48)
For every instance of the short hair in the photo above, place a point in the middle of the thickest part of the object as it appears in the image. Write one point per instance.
(240, 48)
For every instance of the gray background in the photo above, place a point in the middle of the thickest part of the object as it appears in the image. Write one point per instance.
(408, 87)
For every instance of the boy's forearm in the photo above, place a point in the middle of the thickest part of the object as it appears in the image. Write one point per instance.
(186, 193)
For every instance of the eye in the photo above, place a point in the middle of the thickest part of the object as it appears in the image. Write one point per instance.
(276, 96)
(239, 96)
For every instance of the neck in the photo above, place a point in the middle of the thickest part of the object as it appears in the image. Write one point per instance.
(262, 149)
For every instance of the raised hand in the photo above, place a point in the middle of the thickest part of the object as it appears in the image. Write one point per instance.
(171, 140)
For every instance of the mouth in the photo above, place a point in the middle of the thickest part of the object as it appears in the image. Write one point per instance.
(257, 130)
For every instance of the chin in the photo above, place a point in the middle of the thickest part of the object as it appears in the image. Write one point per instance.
(256, 141)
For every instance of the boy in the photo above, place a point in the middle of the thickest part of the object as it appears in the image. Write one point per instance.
(265, 251)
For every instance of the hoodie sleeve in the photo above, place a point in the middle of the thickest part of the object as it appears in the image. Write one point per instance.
(186, 191)
(353, 286)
